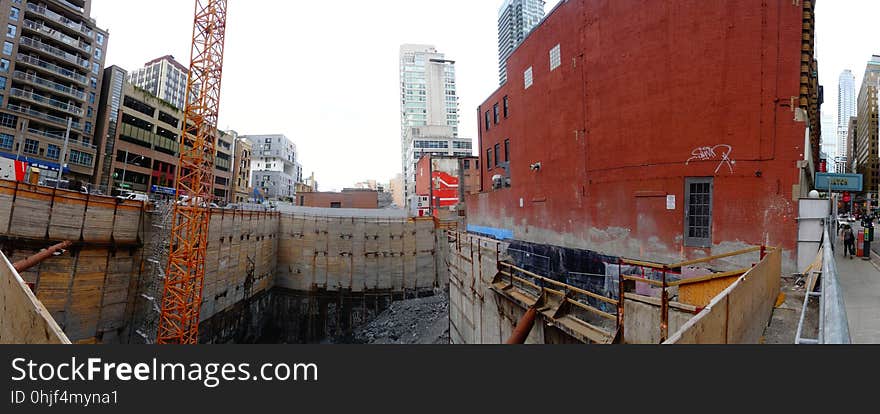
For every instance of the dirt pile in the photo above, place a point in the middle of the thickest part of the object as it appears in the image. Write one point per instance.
(414, 321)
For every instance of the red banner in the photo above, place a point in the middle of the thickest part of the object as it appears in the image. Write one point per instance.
(20, 170)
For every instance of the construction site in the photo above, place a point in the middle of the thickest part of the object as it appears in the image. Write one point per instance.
(678, 242)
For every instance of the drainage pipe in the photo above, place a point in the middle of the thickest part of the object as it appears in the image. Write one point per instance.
(523, 328)
(39, 257)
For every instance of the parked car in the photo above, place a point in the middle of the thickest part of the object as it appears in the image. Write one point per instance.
(187, 200)
(134, 196)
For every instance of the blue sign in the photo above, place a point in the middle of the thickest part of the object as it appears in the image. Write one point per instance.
(162, 190)
(839, 182)
(43, 165)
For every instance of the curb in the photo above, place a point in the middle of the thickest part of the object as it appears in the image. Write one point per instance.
(875, 260)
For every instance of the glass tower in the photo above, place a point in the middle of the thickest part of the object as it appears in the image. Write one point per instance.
(516, 19)
(429, 109)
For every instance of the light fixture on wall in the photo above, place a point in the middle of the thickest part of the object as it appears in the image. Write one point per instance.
(536, 166)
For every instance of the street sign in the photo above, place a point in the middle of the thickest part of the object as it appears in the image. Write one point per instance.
(839, 182)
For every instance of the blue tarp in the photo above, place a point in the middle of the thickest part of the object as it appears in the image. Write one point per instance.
(498, 234)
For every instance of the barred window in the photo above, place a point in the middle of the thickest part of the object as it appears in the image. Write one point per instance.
(555, 58)
(698, 215)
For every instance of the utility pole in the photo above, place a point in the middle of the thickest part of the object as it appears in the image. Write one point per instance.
(63, 160)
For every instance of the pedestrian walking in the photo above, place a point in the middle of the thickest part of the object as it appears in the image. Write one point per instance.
(849, 242)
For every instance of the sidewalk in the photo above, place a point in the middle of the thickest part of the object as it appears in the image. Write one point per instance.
(860, 281)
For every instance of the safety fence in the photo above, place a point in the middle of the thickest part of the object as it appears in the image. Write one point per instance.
(621, 312)
(833, 320)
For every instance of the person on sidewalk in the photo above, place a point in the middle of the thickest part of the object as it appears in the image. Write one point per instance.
(849, 242)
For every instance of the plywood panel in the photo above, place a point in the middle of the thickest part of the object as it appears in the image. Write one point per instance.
(67, 216)
(99, 220)
(54, 287)
(7, 194)
(25, 320)
(29, 218)
(701, 294)
(127, 223)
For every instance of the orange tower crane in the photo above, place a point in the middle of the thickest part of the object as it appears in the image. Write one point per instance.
(185, 274)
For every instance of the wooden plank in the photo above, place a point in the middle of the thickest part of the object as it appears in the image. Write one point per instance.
(708, 277)
(715, 257)
(31, 213)
(67, 218)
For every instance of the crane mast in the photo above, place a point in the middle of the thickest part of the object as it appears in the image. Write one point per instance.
(185, 274)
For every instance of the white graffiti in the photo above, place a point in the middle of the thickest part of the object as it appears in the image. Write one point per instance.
(721, 151)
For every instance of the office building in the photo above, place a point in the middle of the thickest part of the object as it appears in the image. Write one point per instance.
(142, 149)
(516, 19)
(51, 69)
(866, 156)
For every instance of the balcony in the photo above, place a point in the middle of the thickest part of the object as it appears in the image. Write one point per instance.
(43, 116)
(52, 68)
(72, 6)
(54, 51)
(46, 101)
(44, 30)
(49, 85)
(57, 18)
(60, 138)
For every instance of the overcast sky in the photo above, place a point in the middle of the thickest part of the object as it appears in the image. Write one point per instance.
(846, 36)
(325, 73)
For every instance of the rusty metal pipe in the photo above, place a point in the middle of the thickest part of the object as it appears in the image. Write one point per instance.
(523, 328)
(36, 259)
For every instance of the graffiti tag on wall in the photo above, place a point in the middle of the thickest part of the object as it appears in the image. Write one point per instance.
(717, 153)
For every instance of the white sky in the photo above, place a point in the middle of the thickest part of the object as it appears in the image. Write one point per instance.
(846, 35)
(324, 73)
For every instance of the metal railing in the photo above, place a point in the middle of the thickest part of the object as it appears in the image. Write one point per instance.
(42, 115)
(54, 51)
(61, 37)
(54, 86)
(51, 67)
(42, 10)
(833, 321)
(46, 101)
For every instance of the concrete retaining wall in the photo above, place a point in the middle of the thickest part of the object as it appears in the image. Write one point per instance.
(24, 320)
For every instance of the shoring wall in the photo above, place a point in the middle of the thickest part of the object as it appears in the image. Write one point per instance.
(25, 320)
(104, 289)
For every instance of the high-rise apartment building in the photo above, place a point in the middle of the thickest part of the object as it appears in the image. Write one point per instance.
(142, 147)
(163, 77)
(516, 19)
(51, 69)
(846, 109)
(428, 101)
(867, 129)
(275, 170)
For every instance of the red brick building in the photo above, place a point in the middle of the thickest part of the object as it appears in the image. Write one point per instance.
(654, 129)
(349, 198)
